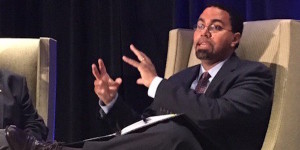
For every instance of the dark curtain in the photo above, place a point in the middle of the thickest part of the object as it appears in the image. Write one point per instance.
(86, 30)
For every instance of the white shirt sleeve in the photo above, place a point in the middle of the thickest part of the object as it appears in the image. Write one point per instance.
(107, 107)
(153, 86)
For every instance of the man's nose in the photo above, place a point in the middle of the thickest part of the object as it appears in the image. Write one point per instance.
(205, 32)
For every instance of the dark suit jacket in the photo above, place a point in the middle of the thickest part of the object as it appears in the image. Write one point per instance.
(16, 106)
(232, 114)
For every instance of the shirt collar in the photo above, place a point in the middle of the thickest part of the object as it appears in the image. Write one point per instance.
(213, 71)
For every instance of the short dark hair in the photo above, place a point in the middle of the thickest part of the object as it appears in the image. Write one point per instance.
(236, 19)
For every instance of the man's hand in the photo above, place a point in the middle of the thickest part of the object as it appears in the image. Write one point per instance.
(145, 67)
(105, 87)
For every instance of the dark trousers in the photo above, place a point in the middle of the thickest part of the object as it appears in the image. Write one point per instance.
(163, 136)
(3, 142)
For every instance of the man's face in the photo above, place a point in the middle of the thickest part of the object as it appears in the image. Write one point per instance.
(213, 39)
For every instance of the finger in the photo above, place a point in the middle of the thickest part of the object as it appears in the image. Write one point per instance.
(113, 88)
(130, 62)
(116, 82)
(102, 67)
(95, 71)
(119, 81)
(96, 82)
(140, 55)
(102, 92)
(99, 83)
(140, 81)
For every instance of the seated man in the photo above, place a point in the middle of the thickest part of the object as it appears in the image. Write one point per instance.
(228, 99)
(16, 108)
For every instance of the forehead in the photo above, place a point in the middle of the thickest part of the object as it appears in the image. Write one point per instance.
(215, 13)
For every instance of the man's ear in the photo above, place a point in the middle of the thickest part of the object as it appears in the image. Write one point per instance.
(236, 39)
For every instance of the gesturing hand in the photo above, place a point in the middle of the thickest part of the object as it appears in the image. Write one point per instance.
(104, 86)
(145, 67)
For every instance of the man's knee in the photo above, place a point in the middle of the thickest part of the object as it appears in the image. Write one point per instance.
(174, 130)
(178, 136)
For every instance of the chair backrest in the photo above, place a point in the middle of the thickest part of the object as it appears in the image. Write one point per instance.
(36, 60)
(276, 44)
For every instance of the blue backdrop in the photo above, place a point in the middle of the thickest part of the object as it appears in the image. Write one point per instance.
(187, 11)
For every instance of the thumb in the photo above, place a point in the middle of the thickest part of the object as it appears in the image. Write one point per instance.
(140, 81)
(118, 81)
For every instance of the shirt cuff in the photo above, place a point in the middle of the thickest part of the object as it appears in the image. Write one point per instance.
(153, 86)
(107, 107)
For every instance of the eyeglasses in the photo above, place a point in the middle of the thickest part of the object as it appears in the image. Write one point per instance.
(213, 28)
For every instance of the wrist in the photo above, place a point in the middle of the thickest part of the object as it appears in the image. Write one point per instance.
(153, 86)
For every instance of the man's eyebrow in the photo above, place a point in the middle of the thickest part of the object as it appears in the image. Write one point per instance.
(200, 19)
(213, 21)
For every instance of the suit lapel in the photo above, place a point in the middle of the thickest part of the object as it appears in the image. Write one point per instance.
(228, 67)
(190, 76)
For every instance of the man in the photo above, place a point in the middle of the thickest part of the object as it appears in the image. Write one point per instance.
(16, 108)
(230, 105)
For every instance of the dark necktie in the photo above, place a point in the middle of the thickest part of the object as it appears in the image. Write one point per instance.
(202, 83)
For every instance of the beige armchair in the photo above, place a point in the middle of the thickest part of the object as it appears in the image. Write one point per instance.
(276, 44)
(36, 60)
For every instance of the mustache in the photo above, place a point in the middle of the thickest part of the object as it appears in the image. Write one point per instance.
(202, 40)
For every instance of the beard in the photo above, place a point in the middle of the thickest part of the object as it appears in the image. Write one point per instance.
(202, 54)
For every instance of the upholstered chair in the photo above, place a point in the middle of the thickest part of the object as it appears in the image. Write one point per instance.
(275, 43)
(36, 60)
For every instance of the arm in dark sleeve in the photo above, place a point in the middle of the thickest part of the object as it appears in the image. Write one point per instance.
(244, 96)
(31, 121)
(120, 115)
